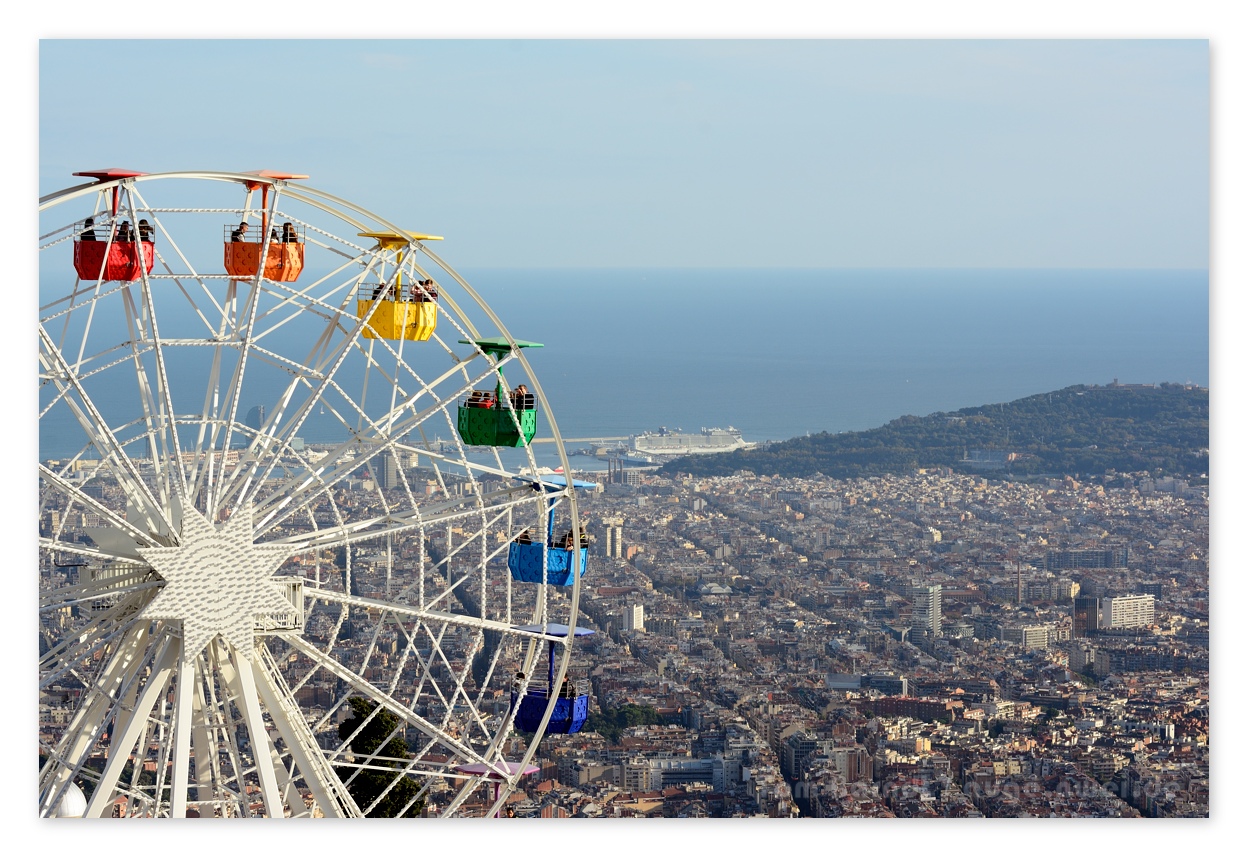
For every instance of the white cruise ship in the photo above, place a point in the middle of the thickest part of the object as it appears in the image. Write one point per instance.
(708, 440)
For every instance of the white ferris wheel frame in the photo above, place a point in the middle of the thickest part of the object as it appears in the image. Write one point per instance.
(143, 660)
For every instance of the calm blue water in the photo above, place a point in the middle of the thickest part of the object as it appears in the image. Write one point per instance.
(779, 353)
(782, 353)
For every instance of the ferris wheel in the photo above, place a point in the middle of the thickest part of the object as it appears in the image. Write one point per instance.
(297, 555)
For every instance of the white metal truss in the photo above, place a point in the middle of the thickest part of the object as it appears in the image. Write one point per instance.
(263, 542)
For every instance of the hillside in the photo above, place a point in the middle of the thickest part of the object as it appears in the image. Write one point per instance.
(1081, 429)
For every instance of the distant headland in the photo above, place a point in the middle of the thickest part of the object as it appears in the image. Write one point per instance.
(1089, 430)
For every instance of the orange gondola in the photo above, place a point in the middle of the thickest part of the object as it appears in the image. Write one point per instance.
(280, 250)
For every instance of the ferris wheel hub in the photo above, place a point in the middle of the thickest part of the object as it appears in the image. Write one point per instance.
(217, 580)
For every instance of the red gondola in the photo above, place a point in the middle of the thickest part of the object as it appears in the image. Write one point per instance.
(116, 260)
(118, 254)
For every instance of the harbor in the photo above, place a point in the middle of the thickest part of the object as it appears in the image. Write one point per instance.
(653, 448)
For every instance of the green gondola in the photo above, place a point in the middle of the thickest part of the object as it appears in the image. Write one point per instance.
(490, 417)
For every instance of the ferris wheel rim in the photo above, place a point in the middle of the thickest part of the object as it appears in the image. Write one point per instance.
(327, 204)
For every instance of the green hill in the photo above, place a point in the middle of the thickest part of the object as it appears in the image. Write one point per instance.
(1088, 430)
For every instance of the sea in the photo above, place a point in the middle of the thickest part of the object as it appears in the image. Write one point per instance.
(779, 353)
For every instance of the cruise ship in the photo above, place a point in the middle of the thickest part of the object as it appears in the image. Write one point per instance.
(708, 440)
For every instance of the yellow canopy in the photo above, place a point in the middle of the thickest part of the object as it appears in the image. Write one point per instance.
(391, 240)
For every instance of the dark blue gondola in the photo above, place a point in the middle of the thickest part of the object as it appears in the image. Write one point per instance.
(571, 702)
(562, 565)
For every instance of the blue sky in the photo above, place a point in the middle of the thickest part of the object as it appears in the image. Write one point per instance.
(805, 153)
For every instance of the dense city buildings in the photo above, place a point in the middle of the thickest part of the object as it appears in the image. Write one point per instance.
(910, 646)
(922, 645)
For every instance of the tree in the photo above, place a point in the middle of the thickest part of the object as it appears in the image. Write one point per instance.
(392, 792)
(612, 721)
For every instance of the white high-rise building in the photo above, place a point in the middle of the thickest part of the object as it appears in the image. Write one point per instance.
(926, 612)
(615, 540)
(1127, 611)
(635, 617)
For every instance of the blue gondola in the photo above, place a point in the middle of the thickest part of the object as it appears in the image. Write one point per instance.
(525, 561)
(524, 558)
(571, 703)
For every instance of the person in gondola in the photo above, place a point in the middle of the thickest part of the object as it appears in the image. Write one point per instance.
(567, 541)
(125, 232)
(289, 235)
(88, 230)
(383, 291)
(523, 539)
(273, 235)
(146, 232)
(517, 683)
(521, 398)
(423, 291)
(480, 399)
(566, 690)
(240, 233)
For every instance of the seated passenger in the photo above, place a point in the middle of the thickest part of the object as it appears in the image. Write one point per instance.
(480, 399)
(423, 291)
(124, 232)
(240, 233)
(289, 235)
(523, 539)
(567, 542)
(88, 230)
(567, 690)
(381, 291)
(521, 398)
(146, 231)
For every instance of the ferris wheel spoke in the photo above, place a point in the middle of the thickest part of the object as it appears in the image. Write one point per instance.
(160, 412)
(334, 800)
(101, 703)
(191, 275)
(425, 615)
(398, 523)
(90, 366)
(290, 494)
(71, 655)
(121, 584)
(128, 736)
(206, 466)
(56, 546)
(362, 685)
(183, 701)
(225, 724)
(237, 673)
(98, 432)
(77, 495)
(234, 388)
(155, 419)
(203, 747)
(248, 471)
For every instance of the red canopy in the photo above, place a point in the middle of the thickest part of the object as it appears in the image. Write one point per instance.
(110, 174)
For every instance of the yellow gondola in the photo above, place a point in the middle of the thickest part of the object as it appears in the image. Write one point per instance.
(393, 315)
